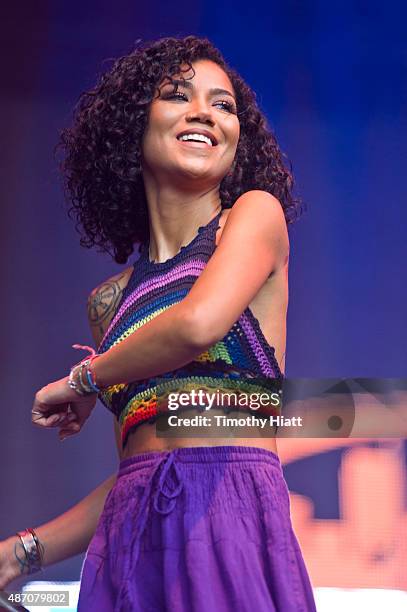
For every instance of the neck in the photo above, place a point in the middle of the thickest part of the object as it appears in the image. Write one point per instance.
(175, 216)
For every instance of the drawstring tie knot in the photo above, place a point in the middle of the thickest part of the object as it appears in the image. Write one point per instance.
(163, 488)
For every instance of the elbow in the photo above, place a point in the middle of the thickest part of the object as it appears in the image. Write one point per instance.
(198, 330)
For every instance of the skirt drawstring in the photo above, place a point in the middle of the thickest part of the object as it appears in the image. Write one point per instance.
(164, 500)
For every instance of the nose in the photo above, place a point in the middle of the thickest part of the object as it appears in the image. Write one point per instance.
(201, 114)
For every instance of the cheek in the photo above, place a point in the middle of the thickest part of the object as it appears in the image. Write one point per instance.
(150, 148)
(152, 134)
(234, 139)
(162, 117)
(234, 133)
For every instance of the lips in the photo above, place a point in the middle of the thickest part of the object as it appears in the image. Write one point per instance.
(206, 133)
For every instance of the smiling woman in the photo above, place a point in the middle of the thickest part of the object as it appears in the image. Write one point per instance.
(170, 151)
(190, 135)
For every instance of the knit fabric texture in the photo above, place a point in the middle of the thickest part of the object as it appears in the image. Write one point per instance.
(234, 363)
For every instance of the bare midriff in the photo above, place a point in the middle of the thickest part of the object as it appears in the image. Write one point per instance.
(145, 438)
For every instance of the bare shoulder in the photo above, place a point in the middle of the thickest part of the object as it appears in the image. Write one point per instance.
(103, 301)
(258, 214)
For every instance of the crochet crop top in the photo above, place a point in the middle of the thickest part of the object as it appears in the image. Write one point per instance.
(152, 288)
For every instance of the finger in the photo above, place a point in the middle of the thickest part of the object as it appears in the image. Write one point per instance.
(37, 415)
(53, 420)
(41, 411)
(70, 417)
(35, 418)
(69, 430)
(65, 417)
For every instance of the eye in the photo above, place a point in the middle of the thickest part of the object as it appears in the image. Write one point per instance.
(227, 106)
(173, 95)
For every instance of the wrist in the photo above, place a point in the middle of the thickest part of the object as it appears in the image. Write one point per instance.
(29, 552)
(93, 376)
(82, 378)
(13, 553)
(97, 370)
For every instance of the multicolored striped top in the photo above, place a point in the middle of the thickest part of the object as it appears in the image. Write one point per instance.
(243, 354)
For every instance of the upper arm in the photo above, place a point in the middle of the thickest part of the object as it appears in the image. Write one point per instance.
(103, 301)
(101, 306)
(253, 246)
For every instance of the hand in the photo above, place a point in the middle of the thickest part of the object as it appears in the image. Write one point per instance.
(57, 405)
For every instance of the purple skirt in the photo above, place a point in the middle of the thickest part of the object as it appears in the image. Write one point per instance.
(193, 530)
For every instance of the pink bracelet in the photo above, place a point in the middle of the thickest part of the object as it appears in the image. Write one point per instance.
(85, 364)
(91, 350)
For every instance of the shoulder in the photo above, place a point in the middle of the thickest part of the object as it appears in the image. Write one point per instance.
(258, 208)
(258, 215)
(103, 300)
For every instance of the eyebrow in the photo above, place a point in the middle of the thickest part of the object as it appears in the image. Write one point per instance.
(215, 91)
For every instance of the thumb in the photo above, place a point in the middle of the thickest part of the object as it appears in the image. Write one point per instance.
(78, 417)
(69, 430)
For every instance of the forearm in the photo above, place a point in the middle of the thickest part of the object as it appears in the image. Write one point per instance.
(169, 341)
(70, 533)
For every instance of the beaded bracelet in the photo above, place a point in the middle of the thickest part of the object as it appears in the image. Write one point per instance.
(84, 385)
(76, 381)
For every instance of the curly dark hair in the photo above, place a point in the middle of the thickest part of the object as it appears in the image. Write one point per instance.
(102, 149)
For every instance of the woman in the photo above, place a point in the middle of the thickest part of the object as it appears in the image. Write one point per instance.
(171, 151)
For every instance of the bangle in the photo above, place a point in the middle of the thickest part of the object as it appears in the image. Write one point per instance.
(84, 385)
(91, 378)
(79, 382)
(75, 384)
(33, 549)
(91, 375)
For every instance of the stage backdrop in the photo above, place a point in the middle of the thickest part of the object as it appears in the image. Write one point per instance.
(331, 79)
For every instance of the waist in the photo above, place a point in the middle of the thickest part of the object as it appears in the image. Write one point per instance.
(147, 436)
(143, 402)
(207, 453)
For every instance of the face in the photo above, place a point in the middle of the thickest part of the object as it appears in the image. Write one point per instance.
(192, 133)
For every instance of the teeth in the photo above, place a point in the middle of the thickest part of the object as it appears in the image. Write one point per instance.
(200, 137)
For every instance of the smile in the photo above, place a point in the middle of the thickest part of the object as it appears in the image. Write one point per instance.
(198, 136)
(195, 138)
(192, 144)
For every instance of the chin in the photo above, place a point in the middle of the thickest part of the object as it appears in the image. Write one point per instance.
(197, 171)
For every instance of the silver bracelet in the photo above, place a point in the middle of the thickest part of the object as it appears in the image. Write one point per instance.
(33, 549)
(79, 385)
(85, 382)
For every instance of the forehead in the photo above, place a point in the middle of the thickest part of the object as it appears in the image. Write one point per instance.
(207, 74)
